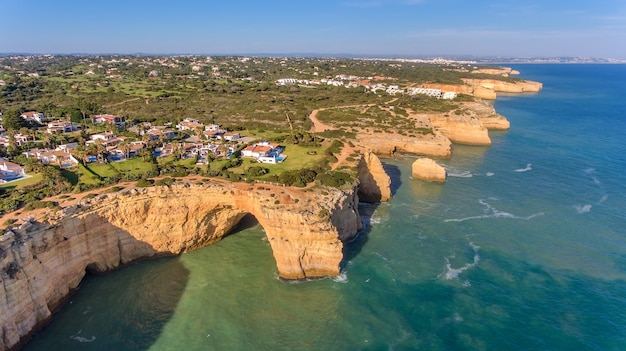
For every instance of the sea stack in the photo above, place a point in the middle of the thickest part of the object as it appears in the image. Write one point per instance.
(426, 169)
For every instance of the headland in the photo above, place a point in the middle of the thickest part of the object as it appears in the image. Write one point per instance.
(44, 256)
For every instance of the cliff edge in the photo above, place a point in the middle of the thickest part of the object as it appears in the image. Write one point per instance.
(41, 263)
(374, 182)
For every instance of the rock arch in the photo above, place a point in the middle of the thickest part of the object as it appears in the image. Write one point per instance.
(306, 230)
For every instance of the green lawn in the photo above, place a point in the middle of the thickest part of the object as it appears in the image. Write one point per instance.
(103, 170)
(298, 157)
(134, 166)
(85, 176)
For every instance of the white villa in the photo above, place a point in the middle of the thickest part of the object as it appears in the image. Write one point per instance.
(34, 116)
(10, 170)
(265, 152)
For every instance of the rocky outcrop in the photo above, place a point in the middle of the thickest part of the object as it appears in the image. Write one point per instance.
(496, 85)
(485, 112)
(500, 71)
(462, 128)
(386, 145)
(40, 263)
(428, 170)
(374, 182)
(488, 88)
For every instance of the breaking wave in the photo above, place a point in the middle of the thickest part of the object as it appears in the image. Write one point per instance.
(341, 278)
(464, 174)
(82, 339)
(583, 208)
(525, 169)
(453, 273)
(492, 212)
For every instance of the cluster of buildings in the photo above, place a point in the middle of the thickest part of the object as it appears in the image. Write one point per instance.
(350, 81)
(204, 143)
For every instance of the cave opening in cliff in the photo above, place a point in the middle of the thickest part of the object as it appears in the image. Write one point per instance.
(248, 221)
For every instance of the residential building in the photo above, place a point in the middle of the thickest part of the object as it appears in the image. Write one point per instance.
(34, 116)
(189, 124)
(108, 119)
(60, 127)
(10, 170)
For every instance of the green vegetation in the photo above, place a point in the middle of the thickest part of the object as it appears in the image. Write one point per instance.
(240, 95)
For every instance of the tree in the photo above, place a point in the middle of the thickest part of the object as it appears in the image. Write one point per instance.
(76, 116)
(80, 152)
(12, 121)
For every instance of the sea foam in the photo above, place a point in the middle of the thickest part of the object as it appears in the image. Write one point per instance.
(492, 212)
(525, 169)
(453, 273)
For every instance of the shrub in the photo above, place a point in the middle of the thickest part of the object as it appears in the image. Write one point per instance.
(256, 171)
(10, 221)
(165, 181)
(143, 183)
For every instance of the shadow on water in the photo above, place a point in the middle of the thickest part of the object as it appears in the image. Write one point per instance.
(123, 310)
(366, 210)
(394, 173)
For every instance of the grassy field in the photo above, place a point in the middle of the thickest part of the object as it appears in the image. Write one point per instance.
(134, 166)
(103, 170)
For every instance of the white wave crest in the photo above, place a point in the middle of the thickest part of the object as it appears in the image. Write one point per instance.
(583, 208)
(492, 212)
(375, 220)
(82, 339)
(453, 273)
(489, 174)
(464, 174)
(341, 278)
(525, 169)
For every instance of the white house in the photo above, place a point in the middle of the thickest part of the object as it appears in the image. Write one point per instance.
(34, 116)
(189, 124)
(10, 170)
(59, 127)
(448, 95)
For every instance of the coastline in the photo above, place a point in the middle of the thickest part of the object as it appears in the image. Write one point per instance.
(339, 206)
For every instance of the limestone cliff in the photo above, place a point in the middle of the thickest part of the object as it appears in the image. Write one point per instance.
(463, 128)
(488, 88)
(501, 71)
(40, 263)
(428, 170)
(434, 144)
(522, 86)
(374, 183)
(485, 112)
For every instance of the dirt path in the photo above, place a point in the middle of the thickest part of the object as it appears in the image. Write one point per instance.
(341, 158)
(318, 126)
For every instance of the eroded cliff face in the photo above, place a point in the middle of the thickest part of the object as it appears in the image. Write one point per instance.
(462, 129)
(40, 263)
(386, 145)
(488, 88)
(485, 112)
(374, 182)
(495, 85)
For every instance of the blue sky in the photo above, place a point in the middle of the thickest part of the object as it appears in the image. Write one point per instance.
(520, 28)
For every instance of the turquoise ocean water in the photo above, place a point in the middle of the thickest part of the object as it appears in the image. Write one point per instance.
(524, 248)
